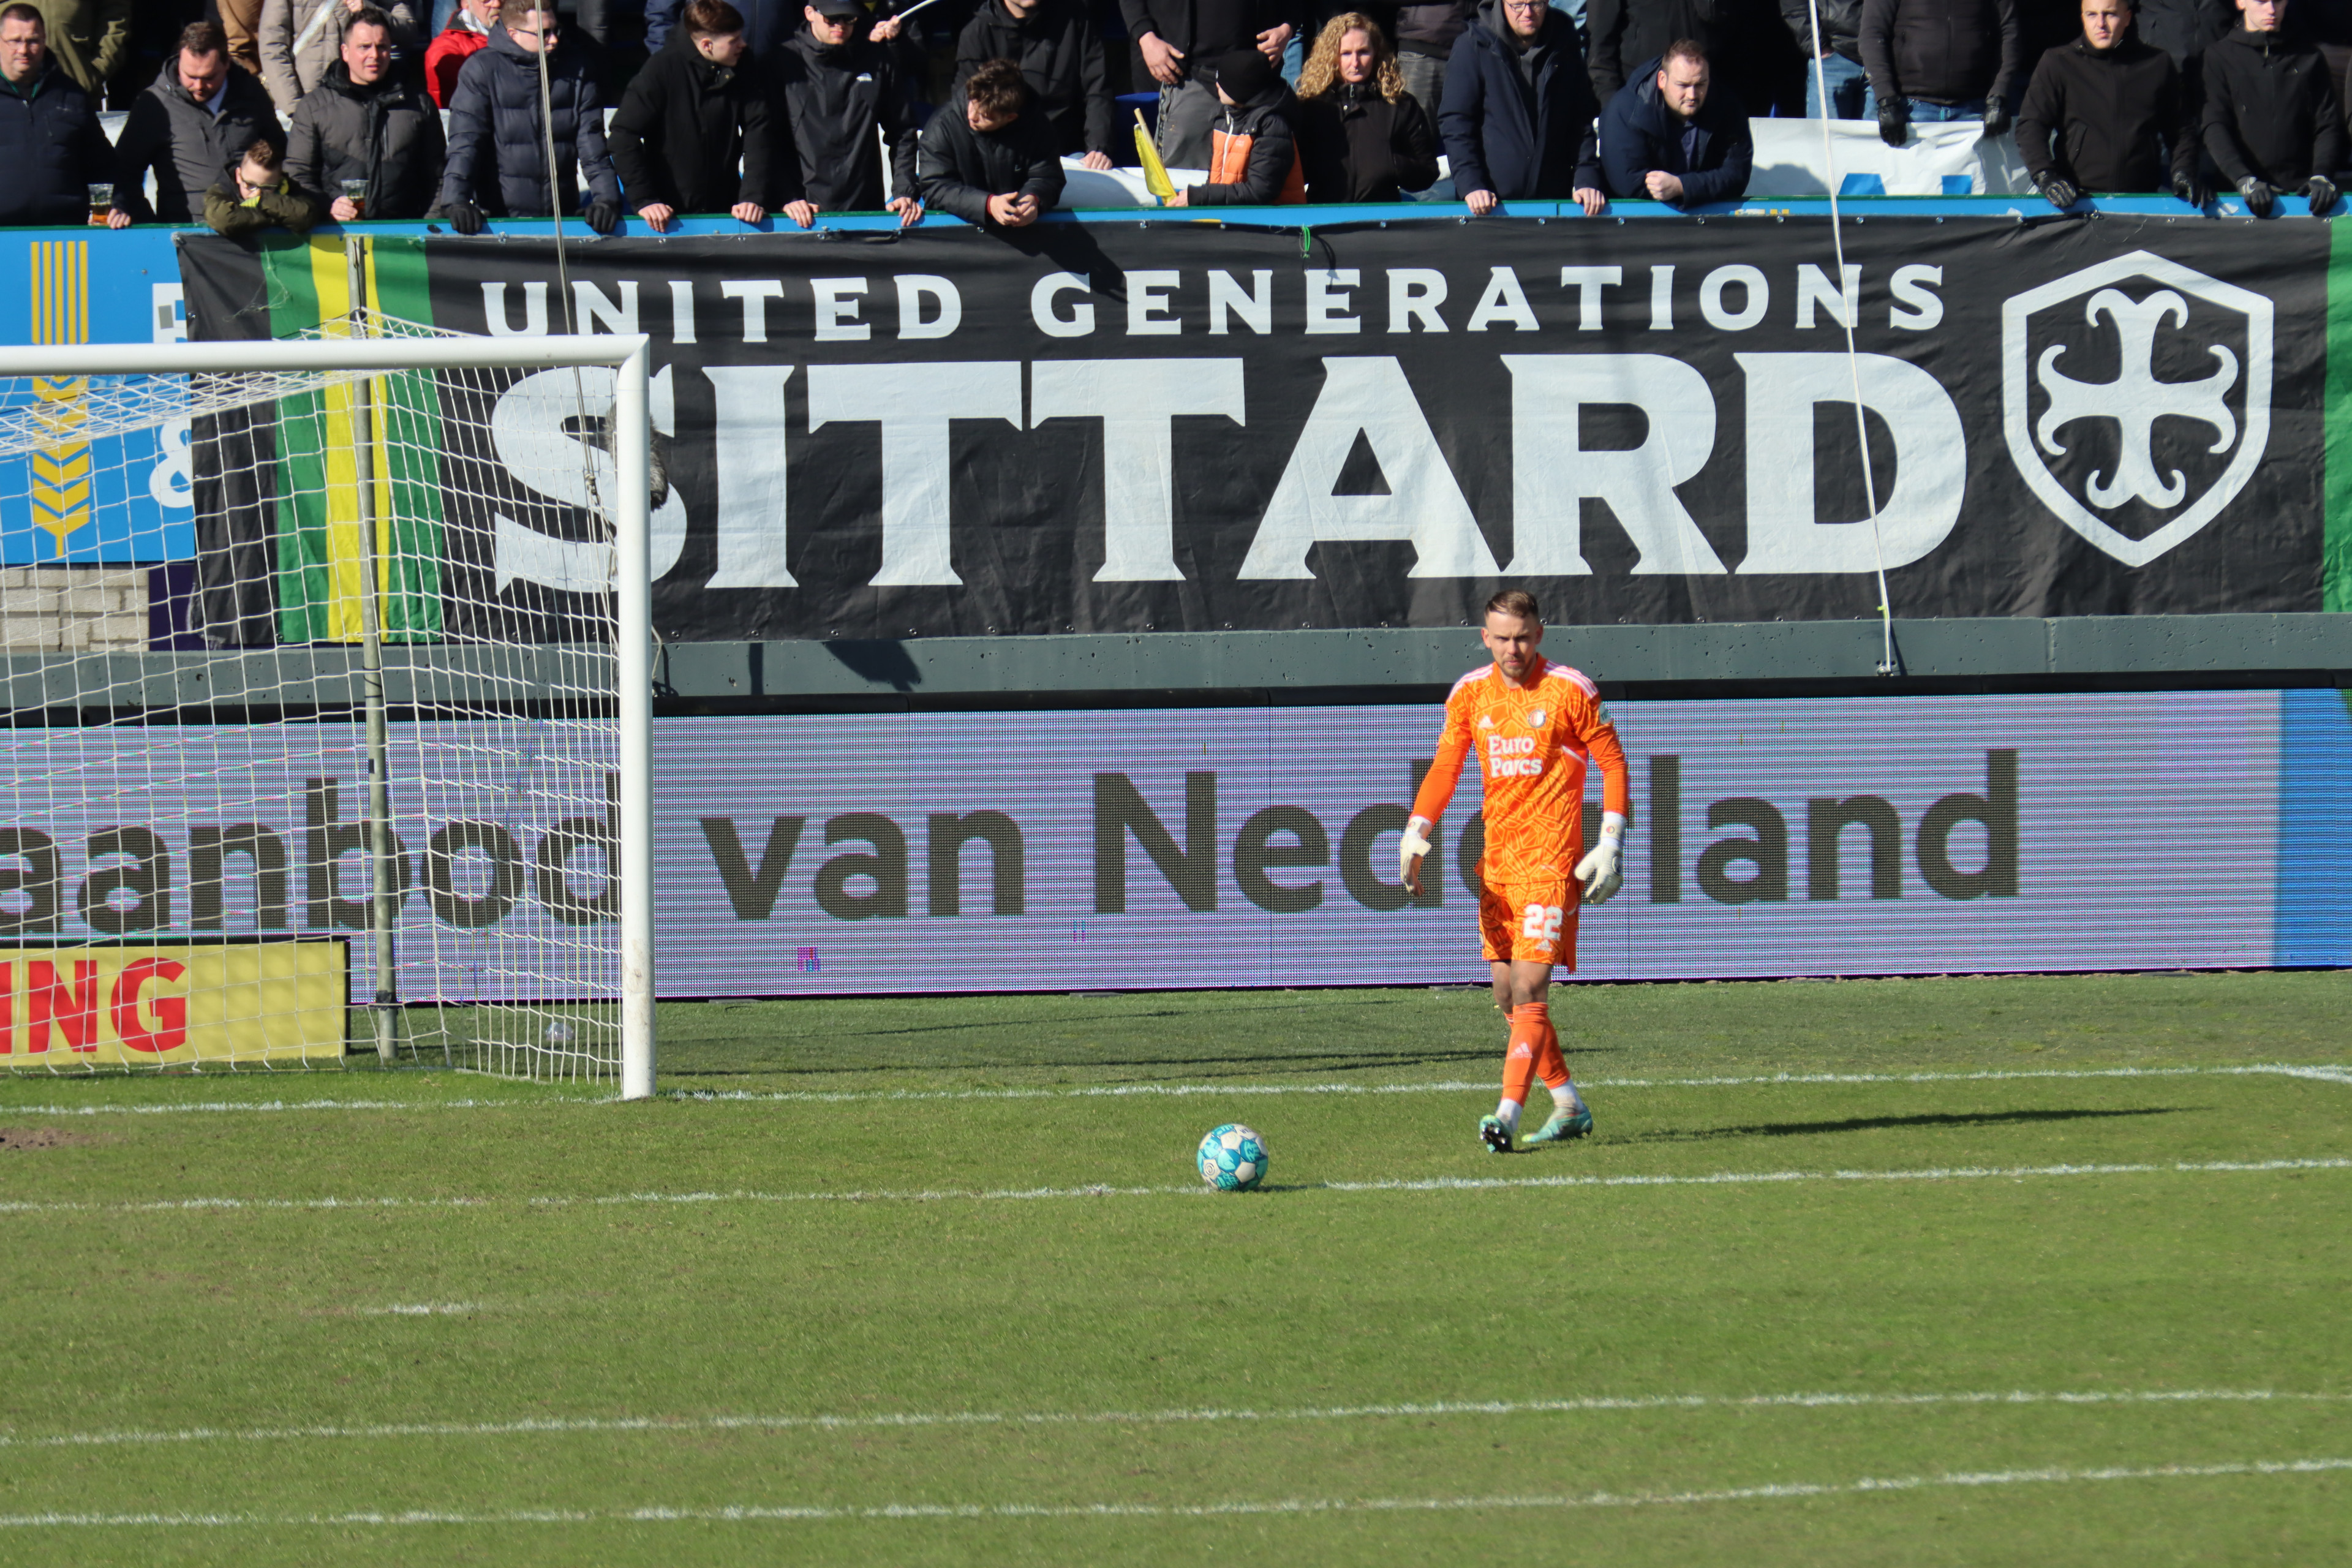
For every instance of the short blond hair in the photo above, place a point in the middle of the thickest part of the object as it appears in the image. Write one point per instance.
(1515, 602)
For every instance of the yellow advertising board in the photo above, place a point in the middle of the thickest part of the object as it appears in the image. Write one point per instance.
(144, 1005)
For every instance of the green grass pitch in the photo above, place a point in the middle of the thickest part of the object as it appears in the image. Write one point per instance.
(2026, 1270)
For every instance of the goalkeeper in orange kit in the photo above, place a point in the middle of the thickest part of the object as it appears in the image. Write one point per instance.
(1537, 728)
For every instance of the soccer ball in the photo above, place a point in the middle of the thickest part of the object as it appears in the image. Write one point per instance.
(1233, 1158)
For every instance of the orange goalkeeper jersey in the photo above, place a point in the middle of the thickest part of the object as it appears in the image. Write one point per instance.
(1535, 745)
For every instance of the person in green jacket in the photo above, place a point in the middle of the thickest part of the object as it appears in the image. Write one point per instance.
(263, 197)
(88, 38)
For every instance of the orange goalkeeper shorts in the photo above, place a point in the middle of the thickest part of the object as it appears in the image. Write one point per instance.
(1530, 922)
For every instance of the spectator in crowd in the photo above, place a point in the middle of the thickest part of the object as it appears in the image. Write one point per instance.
(1838, 50)
(1060, 52)
(363, 123)
(839, 89)
(468, 30)
(1669, 136)
(498, 149)
(302, 39)
(88, 38)
(1361, 136)
(1933, 60)
(49, 137)
(1425, 39)
(2108, 112)
(1517, 120)
(1751, 48)
(987, 156)
(2183, 29)
(196, 119)
(695, 116)
(1253, 153)
(2272, 122)
(1174, 37)
(257, 195)
(766, 25)
(240, 21)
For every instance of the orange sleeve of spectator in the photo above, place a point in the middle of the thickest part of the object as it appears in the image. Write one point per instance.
(1446, 770)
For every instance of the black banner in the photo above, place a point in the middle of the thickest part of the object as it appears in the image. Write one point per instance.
(1177, 426)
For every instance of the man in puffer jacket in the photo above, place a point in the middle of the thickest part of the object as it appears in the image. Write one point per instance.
(696, 132)
(1749, 49)
(1672, 136)
(838, 89)
(49, 138)
(301, 39)
(2272, 122)
(1060, 52)
(191, 126)
(987, 156)
(1252, 153)
(364, 123)
(1517, 121)
(1838, 49)
(498, 147)
(1933, 60)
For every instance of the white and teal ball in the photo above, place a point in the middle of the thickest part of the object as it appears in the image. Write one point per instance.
(1233, 1158)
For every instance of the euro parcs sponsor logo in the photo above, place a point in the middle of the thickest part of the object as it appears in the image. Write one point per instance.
(2137, 399)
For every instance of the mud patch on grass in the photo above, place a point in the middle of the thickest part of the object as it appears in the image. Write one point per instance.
(12, 1139)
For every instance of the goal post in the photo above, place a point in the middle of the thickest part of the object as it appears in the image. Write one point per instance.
(355, 428)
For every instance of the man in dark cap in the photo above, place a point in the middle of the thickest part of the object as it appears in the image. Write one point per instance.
(839, 88)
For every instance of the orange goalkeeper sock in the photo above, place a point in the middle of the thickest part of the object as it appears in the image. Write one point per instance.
(1529, 1024)
(1550, 1064)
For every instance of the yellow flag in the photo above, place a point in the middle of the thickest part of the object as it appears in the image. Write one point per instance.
(1155, 173)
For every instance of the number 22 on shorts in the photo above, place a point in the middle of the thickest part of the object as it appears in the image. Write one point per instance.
(1542, 923)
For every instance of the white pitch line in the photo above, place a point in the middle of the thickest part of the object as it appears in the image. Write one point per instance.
(561, 1426)
(754, 1513)
(1025, 1194)
(2318, 1072)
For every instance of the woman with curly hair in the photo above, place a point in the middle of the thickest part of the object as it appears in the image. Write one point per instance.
(1361, 136)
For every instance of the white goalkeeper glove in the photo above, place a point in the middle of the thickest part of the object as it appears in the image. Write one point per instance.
(1411, 848)
(1598, 870)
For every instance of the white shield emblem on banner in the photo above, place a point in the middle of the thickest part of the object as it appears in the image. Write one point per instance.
(2168, 297)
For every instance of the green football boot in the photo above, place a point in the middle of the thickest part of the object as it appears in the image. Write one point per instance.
(1563, 1126)
(1497, 1136)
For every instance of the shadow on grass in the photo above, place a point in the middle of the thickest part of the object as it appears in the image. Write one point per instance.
(1888, 1123)
(1193, 1069)
(987, 1020)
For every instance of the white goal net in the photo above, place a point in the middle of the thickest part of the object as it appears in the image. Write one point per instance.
(326, 698)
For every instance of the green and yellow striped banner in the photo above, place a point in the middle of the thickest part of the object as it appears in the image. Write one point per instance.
(321, 561)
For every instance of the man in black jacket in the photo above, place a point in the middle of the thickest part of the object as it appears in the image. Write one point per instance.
(1174, 37)
(1668, 136)
(50, 142)
(695, 116)
(2108, 112)
(2272, 122)
(1517, 121)
(191, 126)
(838, 89)
(987, 157)
(1060, 52)
(1933, 60)
(363, 124)
(498, 148)
(1746, 42)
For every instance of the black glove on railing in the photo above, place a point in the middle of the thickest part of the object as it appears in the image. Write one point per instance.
(2257, 196)
(2190, 189)
(2059, 192)
(466, 217)
(2321, 190)
(1894, 121)
(604, 216)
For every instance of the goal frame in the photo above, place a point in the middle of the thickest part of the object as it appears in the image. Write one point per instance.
(626, 354)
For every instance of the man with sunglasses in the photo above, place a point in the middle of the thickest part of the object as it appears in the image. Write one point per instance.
(498, 144)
